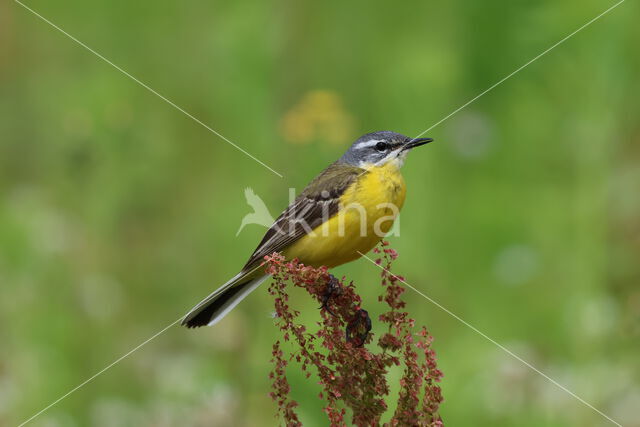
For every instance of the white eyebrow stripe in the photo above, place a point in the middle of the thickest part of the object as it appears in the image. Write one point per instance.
(369, 143)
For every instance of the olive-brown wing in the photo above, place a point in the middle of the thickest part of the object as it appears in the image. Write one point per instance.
(318, 202)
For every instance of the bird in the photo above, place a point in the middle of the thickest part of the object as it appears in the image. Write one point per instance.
(341, 214)
(260, 214)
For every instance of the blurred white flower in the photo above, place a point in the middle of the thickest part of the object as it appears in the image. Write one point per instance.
(471, 134)
(100, 297)
(516, 264)
(598, 316)
(626, 410)
(115, 412)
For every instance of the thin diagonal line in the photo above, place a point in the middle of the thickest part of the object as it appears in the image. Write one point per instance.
(242, 150)
(97, 374)
(168, 101)
(115, 362)
(488, 338)
(520, 68)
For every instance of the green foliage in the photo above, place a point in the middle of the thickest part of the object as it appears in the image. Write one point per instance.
(118, 213)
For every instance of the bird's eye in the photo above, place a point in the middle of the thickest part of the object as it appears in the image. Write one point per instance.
(382, 146)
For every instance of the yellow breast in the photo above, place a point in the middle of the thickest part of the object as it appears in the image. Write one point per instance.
(367, 211)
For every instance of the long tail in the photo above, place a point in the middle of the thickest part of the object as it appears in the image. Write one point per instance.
(214, 307)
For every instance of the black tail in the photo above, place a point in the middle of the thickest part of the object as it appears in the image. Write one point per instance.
(214, 307)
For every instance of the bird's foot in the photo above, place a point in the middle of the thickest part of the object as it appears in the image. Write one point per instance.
(358, 328)
(332, 289)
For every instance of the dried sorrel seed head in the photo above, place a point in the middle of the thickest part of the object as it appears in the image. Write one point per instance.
(349, 373)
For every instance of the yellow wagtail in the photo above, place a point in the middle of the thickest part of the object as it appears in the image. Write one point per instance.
(343, 212)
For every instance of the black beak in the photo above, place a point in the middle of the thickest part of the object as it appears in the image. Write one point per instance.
(413, 143)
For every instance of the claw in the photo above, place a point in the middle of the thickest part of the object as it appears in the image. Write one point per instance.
(358, 328)
(332, 289)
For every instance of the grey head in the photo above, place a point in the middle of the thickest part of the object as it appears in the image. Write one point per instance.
(378, 148)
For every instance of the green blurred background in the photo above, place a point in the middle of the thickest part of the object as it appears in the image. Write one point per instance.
(118, 213)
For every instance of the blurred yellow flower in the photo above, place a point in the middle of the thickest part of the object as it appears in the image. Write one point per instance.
(320, 114)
